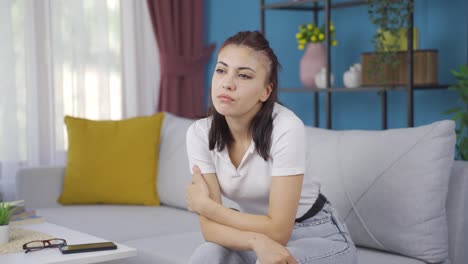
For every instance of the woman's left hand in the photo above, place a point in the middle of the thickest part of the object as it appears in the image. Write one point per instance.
(197, 192)
(271, 252)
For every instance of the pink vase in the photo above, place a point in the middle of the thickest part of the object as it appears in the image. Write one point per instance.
(311, 63)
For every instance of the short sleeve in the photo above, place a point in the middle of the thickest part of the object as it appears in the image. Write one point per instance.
(198, 149)
(288, 147)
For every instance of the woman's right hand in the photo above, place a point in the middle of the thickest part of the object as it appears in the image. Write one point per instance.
(271, 252)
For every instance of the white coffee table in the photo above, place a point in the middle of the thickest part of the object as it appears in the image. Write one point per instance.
(53, 255)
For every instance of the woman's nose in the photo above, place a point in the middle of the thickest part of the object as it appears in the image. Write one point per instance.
(228, 84)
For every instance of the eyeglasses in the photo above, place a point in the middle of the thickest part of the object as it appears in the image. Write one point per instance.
(41, 244)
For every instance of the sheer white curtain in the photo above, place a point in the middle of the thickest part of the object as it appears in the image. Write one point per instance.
(95, 59)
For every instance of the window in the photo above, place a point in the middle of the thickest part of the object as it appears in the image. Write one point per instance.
(94, 59)
(86, 61)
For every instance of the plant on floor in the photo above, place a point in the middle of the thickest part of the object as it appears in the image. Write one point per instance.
(460, 113)
(5, 212)
(391, 18)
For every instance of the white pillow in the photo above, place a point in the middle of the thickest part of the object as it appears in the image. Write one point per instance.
(173, 174)
(389, 186)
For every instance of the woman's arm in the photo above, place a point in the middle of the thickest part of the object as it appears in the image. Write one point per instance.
(277, 225)
(227, 236)
(220, 234)
(204, 197)
(267, 249)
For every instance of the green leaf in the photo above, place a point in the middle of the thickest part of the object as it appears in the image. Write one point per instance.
(452, 110)
(464, 70)
(464, 121)
(457, 116)
(463, 148)
(5, 212)
(464, 97)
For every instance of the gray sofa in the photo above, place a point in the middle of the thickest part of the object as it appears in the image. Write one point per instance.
(383, 219)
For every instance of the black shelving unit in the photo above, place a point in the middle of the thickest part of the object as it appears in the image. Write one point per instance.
(326, 6)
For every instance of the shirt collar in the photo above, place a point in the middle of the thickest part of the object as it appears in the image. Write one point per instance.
(224, 154)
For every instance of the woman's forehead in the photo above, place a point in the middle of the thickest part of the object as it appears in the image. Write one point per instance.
(242, 56)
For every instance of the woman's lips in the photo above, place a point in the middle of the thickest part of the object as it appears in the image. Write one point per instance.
(225, 98)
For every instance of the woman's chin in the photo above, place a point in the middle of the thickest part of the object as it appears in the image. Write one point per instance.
(224, 109)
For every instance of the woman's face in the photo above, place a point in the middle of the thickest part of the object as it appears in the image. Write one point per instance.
(239, 85)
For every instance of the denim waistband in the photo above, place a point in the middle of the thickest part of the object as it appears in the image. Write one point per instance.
(316, 207)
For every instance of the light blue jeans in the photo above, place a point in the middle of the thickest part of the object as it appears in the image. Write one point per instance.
(321, 239)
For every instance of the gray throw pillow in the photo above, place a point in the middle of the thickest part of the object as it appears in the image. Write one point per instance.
(389, 186)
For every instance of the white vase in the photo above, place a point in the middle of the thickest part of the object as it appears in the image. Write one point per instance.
(4, 234)
(321, 79)
(352, 78)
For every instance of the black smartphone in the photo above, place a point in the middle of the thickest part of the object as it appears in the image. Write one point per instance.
(68, 249)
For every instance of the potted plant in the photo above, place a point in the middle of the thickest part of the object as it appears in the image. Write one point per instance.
(5, 212)
(391, 19)
(311, 37)
(460, 113)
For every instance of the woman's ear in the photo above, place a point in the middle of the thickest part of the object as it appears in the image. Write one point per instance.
(266, 93)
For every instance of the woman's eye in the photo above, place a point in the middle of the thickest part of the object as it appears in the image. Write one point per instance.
(244, 76)
(219, 70)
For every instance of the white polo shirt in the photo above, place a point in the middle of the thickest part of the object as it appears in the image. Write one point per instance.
(249, 184)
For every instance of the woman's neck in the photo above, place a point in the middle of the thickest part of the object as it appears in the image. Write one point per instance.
(240, 126)
(240, 129)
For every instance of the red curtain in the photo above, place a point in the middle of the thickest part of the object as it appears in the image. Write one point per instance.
(179, 29)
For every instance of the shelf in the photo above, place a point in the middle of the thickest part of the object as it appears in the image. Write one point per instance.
(432, 87)
(363, 89)
(326, 6)
(310, 5)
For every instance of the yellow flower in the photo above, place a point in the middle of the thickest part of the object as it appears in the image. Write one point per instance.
(311, 33)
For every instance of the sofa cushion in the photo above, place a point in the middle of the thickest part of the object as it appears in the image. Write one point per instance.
(122, 223)
(457, 212)
(370, 256)
(173, 175)
(389, 186)
(112, 161)
(168, 249)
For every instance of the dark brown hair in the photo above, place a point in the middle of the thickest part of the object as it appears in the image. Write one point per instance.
(261, 126)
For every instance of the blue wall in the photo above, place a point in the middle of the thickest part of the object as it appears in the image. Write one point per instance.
(443, 25)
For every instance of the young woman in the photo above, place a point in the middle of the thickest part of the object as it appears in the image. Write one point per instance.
(252, 150)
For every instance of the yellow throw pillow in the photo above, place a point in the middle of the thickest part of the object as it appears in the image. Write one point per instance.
(112, 162)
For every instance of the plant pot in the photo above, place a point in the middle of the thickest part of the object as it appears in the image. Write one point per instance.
(4, 234)
(425, 69)
(311, 63)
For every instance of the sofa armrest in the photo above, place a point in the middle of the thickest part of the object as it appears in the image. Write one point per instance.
(40, 187)
(457, 212)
